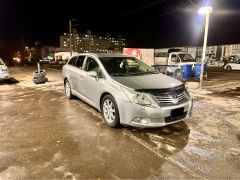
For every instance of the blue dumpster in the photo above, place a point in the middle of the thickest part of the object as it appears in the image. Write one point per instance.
(197, 70)
(186, 71)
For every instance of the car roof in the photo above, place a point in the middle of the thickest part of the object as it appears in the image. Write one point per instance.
(99, 55)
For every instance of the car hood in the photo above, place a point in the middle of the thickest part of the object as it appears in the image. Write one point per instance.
(151, 81)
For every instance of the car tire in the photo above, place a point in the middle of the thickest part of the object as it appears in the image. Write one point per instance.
(68, 89)
(40, 80)
(110, 111)
(229, 68)
(37, 74)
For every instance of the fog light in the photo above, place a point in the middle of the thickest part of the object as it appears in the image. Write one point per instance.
(145, 121)
(141, 120)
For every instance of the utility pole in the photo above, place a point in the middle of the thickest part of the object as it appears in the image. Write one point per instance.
(206, 11)
(70, 37)
(204, 50)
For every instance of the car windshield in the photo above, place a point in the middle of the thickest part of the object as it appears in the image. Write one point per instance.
(186, 58)
(126, 66)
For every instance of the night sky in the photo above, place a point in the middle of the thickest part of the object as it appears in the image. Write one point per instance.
(146, 24)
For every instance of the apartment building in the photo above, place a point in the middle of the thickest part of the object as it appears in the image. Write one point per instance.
(91, 43)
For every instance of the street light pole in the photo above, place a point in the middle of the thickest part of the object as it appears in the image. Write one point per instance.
(206, 11)
(70, 37)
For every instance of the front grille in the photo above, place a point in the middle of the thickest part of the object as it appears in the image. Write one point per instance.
(173, 98)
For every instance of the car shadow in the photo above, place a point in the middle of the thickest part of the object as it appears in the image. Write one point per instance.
(9, 81)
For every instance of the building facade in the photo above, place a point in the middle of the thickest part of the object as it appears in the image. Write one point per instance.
(92, 43)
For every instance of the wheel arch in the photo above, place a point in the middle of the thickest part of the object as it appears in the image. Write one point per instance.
(101, 98)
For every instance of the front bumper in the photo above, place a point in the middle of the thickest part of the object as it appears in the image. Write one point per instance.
(141, 116)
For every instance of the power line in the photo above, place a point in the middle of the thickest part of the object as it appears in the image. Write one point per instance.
(142, 8)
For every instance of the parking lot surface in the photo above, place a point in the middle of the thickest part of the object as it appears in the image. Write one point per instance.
(44, 135)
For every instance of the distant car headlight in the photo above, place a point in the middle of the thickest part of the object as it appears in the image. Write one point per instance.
(137, 97)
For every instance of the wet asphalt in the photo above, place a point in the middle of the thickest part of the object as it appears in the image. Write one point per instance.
(44, 135)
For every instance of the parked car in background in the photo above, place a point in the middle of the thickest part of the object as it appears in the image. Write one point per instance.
(44, 61)
(126, 90)
(214, 63)
(61, 61)
(52, 61)
(233, 63)
(4, 72)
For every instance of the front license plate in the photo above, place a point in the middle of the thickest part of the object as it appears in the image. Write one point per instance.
(177, 112)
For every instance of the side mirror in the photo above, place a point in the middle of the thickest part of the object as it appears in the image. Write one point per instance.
(92, 74)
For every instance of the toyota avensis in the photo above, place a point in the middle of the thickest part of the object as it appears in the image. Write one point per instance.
(126, 90)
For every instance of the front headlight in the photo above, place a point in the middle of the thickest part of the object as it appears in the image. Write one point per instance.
(137, 97)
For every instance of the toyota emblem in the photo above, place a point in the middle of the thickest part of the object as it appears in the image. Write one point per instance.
(174, 98)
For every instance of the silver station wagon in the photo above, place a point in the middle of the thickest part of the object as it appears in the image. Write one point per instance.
(126, 90)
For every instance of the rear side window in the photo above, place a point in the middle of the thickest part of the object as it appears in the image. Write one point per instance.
(79, 61)
(72, 61)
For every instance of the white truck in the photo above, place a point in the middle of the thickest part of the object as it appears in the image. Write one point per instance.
(180, 58)
(172, 62)
(174, 58)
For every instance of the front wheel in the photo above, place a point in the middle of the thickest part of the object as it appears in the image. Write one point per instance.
(229, 68)
(110, 111)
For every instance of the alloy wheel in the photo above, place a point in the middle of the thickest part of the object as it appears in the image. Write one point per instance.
(109, 111)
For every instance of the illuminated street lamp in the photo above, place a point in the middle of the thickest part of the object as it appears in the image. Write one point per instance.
(205, 11)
